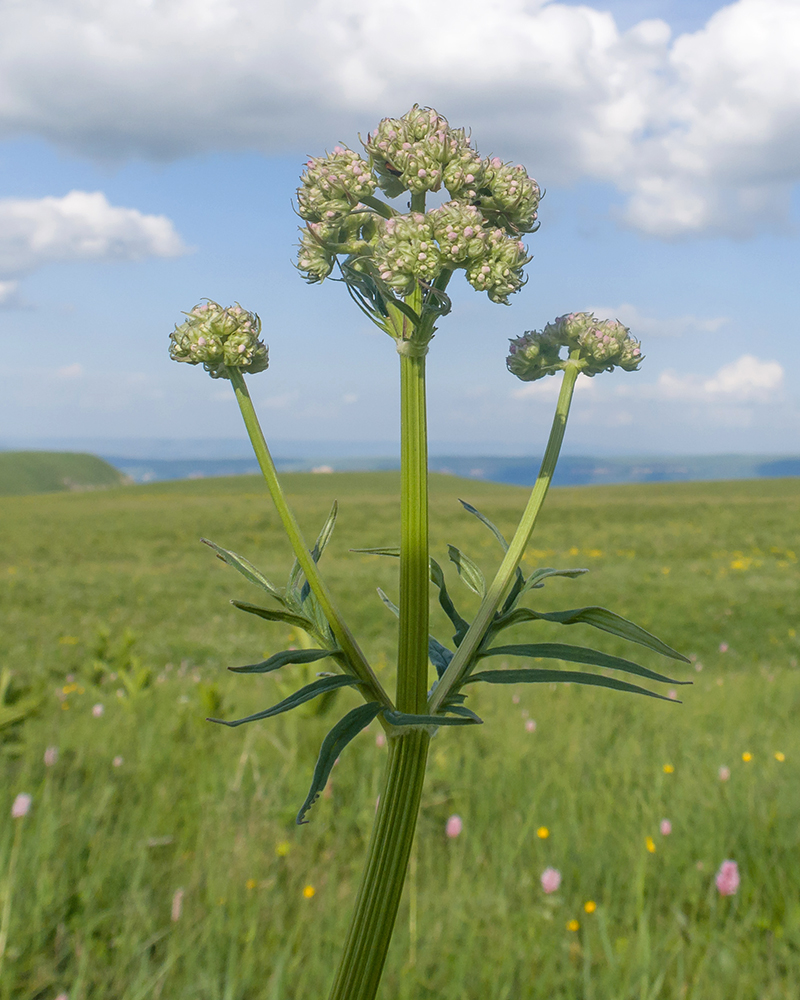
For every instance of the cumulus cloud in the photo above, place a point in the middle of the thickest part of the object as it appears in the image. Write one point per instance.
(8, 293)
(79, 226)
(642, 325)
(745, 380)
(701, 132)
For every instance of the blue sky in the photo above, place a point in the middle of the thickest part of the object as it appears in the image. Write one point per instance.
(667, 136)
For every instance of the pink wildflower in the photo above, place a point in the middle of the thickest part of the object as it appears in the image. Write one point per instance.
(21, 806)
(530, 726)
(97, 711)
(727, 879)
(551, 880)
(380, 739)
(724, 773)
(177, 905)
(666, 828)
(723, 647)
(118, 761)
(672, 694)
(454, 827)
(50, 756)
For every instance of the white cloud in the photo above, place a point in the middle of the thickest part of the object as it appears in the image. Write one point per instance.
(79, 226)
(701, 132)
(649, 326)
(8, 293)
(547, 389)
(745, 380)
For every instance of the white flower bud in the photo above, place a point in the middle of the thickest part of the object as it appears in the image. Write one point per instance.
(220, 338)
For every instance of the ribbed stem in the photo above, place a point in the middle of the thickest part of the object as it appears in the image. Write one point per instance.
(367, 943)
(344, 637)
(412, 667)
(460, 663)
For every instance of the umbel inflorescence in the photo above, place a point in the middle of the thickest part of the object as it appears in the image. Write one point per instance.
(595, 345)
(220, 338)
(492, 204)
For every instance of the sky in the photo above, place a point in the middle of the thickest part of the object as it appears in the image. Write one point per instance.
(149, 155)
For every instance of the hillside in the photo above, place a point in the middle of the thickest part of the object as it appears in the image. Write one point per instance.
(54, 472)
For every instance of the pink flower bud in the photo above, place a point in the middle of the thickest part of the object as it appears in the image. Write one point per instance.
(21, 806)
(665, 828)
(724, 773)
(454, 827)
(551, 880)
(727, 879)
(97, 711)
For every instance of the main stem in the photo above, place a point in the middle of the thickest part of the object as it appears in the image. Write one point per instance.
(341, 632)
(460, 663)
(382, 881)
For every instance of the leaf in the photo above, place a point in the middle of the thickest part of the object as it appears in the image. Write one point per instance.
(600, 618)
(381, 550)
(246, 568)
(329, 683)
(287, 617)
(437, 576)
(485, 520)
(533, 581)
(389, 602)
(337, 739)
(403, 719)
(577, 654)
(325, 534)
(279, 660)
(468, 570)
(462, 710)
(439, 655)
(529, 675)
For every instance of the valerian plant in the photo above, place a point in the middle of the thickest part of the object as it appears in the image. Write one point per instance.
(397, 267)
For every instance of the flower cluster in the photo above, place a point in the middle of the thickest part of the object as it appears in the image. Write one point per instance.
(477, 231)
(596, 345)
(219, 339)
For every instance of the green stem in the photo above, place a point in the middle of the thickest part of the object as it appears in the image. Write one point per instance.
(373, 689)
(381, 886)
(460, 664)
(412, 667)
(5, 919)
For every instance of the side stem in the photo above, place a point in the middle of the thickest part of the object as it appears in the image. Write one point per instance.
(342, 634)
(458, 666)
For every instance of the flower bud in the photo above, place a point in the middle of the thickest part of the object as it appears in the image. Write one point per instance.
(594, 345)
(460, 233)
(410, 153)
(499, 273)
(220, 339)
(406, 252)
(534, 355)
(508, 197)
(333, 185)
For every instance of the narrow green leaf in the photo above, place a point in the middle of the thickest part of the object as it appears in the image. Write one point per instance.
(466, 712)
(437, 576)
(485, 520)
(329, 683)
(337, 739)
(279, 660)
(529, 675)
(577, 654)
(534, 580)
(381, 550)
(403, 719)
(439, 655)
(468, 570)
(389, 602)
(325, 534)
(287, 617)
(247, 569)
(598, 617)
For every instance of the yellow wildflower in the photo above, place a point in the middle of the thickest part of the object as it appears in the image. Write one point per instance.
(747, 756)
(590, 906)
(573, 925)
(542, 833)
(650, 844)
(309, 891)
(779, 756)
(669, 769)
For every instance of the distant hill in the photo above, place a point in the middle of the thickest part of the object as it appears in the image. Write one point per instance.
(54, 472)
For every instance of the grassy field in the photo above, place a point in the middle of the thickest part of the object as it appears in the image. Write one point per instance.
(23, 472)
(160, 859)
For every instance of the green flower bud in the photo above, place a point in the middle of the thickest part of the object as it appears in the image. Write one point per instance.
(508, 197)
(406, 252)
(499, 273)
(534, 355)
(410, 153)
(333, 185)
(220, 339)
(460, 233)
(463, 175)
(594, 345)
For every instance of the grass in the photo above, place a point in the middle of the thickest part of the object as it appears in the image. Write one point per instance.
(23, 472)
(111, 601)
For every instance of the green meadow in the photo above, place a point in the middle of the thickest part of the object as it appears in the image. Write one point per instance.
(160, 856)
(23, 472)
